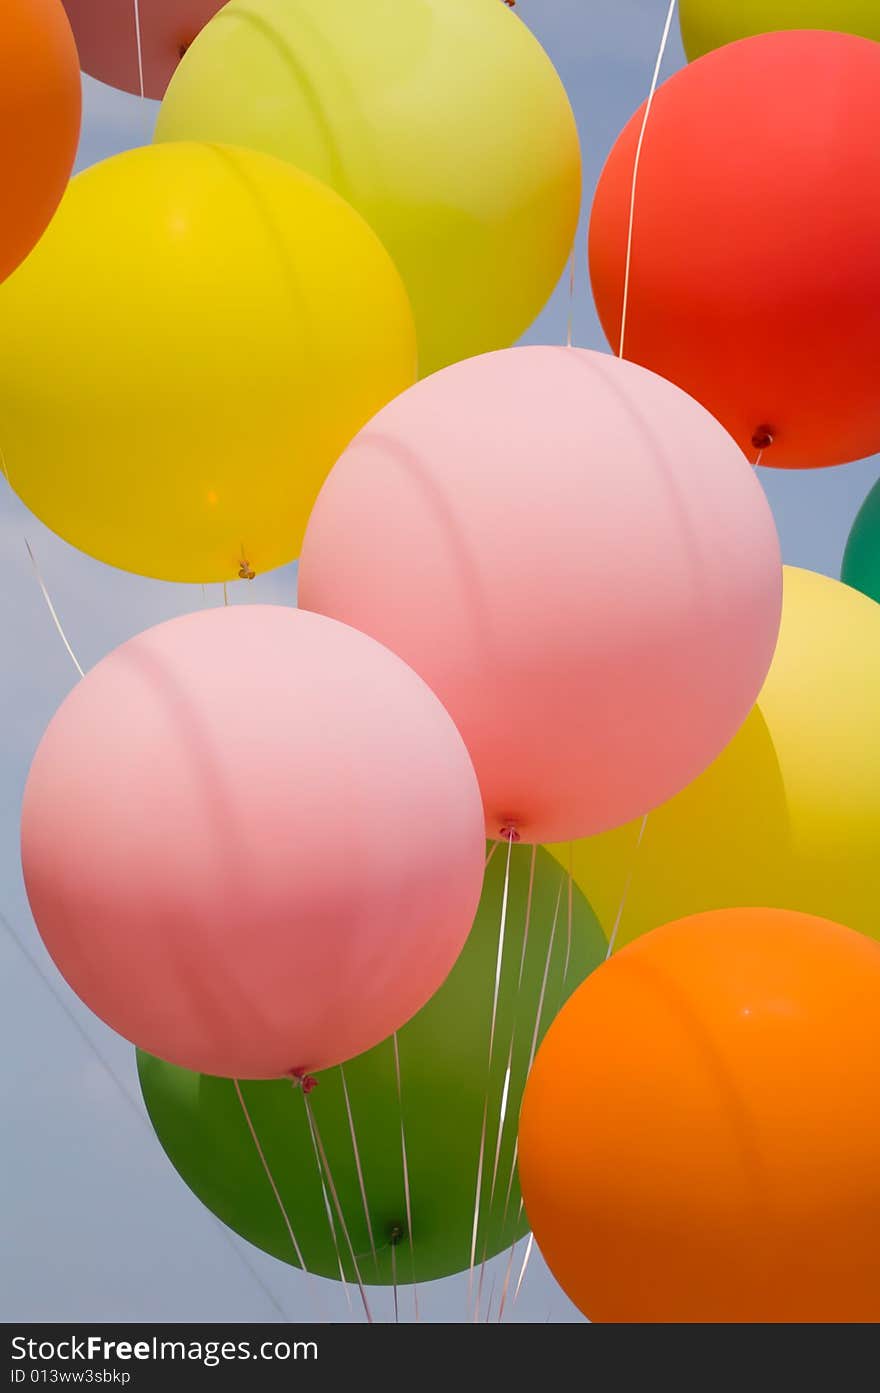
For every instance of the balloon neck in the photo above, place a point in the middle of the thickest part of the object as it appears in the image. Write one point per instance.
(245, 572)
(395, 1234)
(762, 438)
(181, 49)
(303, 1080)
(508, 833)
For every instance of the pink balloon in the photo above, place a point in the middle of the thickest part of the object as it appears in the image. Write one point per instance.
(578, 560)
(252, 841)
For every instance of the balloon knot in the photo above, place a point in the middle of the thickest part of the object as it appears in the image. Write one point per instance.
(510, 4)
(762, 439)
(245, 572)
(395, 1234)
(509, 833)
(182, 48)
(303, 1080)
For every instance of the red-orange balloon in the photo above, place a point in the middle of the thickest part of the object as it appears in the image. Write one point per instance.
(39, 121)
(700, 1134)
(755, 277)
(107, 37)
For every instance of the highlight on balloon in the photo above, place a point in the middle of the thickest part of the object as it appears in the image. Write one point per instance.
(442, 538)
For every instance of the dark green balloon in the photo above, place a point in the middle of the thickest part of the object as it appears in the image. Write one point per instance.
(444, 1055)
(861, 560)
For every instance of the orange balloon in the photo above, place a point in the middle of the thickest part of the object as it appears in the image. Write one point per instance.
(755, 279)
(700, 1134)
(39, 121)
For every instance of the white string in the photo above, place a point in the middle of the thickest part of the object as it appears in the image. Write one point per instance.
(502, 1112)
(506, 1285)
(359, 1167)
(623, 899)
(632, 204)
(532, 1051)
(571, 274)
(330, 1222)
(569, 920)
(316, 1133)
(140, 54)
(525, 1263)
(498, 962)
(52, 610)
(269, 1176)
(40, 581)
(406, 1189)
(127, 1097)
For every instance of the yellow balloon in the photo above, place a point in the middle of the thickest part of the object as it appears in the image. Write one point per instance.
(442, 121)
(707, 24)
(788, 816)
(185, 354)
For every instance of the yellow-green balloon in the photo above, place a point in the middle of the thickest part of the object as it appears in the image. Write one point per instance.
(788, 816)
(707, 24)
(442, 121)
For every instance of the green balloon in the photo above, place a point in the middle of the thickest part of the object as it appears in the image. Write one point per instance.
(708, 24)
(861, 560)
(444, 1054)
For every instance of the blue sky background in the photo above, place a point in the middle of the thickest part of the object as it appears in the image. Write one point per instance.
(95, 1224)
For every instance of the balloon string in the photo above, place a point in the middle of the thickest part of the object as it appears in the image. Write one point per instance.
(394, 1283)
(502, 1113)
(46, 596)
(127, 1097)
(571, 272)
(511, 834)
(406, 1189)
(569, 917)
(532, 1051)
(52, 610)
(522, 1271)
(330, 1221)
(492, 850)
(632, 202)
(275, 1191)
(623, 899)
(316, 1133)
(140, 52)
(359, 1167)
(506, 1286)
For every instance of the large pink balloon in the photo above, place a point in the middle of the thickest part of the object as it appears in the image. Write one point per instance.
(252, 841)
(578, 560)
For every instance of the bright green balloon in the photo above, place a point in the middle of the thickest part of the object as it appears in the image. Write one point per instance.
(444, 1054)
(442, 121)
(707, 24)
(861, 560)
